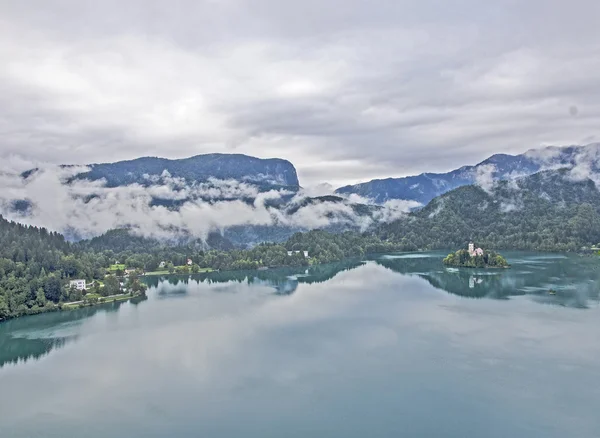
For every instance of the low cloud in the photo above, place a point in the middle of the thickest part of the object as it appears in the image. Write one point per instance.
(484, 177)
(52, 198)
(587, 165)
(395, 209)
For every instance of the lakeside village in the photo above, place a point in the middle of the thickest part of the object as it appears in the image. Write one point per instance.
(118, 285)
(475, 258)
(121, 283)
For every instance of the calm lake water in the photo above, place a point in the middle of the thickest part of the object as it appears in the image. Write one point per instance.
(392, 346)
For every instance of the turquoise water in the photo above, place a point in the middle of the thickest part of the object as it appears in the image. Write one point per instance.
(391, 346)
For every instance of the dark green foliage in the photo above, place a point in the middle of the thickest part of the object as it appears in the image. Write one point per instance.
(111, 286)
(120, 240)
(36, 265)
(134, 285)
(488, 259)
(33, 269)
(325, 247)
(52, 288)
(546, 211)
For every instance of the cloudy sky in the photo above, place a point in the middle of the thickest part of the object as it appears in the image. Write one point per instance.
(347, 90)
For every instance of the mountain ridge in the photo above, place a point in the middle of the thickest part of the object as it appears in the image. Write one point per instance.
(264, 172)
(546, 211)
(426, 186)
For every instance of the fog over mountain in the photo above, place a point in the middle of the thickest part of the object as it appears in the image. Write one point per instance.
(85, 201)
(265, 202)
(426, 186)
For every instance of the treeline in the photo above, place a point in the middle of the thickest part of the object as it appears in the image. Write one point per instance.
(36, 265)
(545, 212)
(319, 246)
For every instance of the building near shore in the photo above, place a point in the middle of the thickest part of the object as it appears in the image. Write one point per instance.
(77, 284)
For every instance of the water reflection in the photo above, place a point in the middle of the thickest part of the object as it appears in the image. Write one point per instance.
(571, 281)
(373, 351)
(33, 337)
(283, 281)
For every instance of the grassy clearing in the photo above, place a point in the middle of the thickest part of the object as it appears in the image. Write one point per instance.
(116, 267)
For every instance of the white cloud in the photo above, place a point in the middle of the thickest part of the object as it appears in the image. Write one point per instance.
(484, 176)
(87, 209)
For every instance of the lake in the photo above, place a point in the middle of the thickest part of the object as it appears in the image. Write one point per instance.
(393, 345)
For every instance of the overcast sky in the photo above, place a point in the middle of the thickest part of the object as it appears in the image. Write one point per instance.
(347, 90)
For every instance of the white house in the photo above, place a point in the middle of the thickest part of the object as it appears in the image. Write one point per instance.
(162, 264)
(77, 284)
(189, 262)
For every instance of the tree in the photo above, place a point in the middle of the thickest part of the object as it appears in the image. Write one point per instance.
(135, 286)
(75, 294)
(111, 286)
(4, 310)
(40, 298)
(52, 289)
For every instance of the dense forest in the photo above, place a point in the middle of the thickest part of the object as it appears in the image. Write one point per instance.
(37, 265)
(546, 212)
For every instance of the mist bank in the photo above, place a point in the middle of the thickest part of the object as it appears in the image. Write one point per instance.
(169, 207)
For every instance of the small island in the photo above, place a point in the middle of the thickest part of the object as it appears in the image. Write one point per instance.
(475, 258)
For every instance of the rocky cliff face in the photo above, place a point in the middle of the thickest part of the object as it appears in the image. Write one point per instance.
(265, 173)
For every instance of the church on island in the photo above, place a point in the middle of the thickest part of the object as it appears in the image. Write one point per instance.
(475, 258)
(473, 252)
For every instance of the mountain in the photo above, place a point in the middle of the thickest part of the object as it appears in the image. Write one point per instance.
(264, 173)
(122, 239)
(548, 211)
(426, 186)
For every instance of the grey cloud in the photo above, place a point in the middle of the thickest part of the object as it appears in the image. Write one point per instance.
(399, 87)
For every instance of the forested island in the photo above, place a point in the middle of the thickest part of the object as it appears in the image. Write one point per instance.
(475, 258)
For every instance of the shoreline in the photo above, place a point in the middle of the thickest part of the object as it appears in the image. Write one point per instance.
(477, 267)
(126, 297)
(102, 300)
(76, 305)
